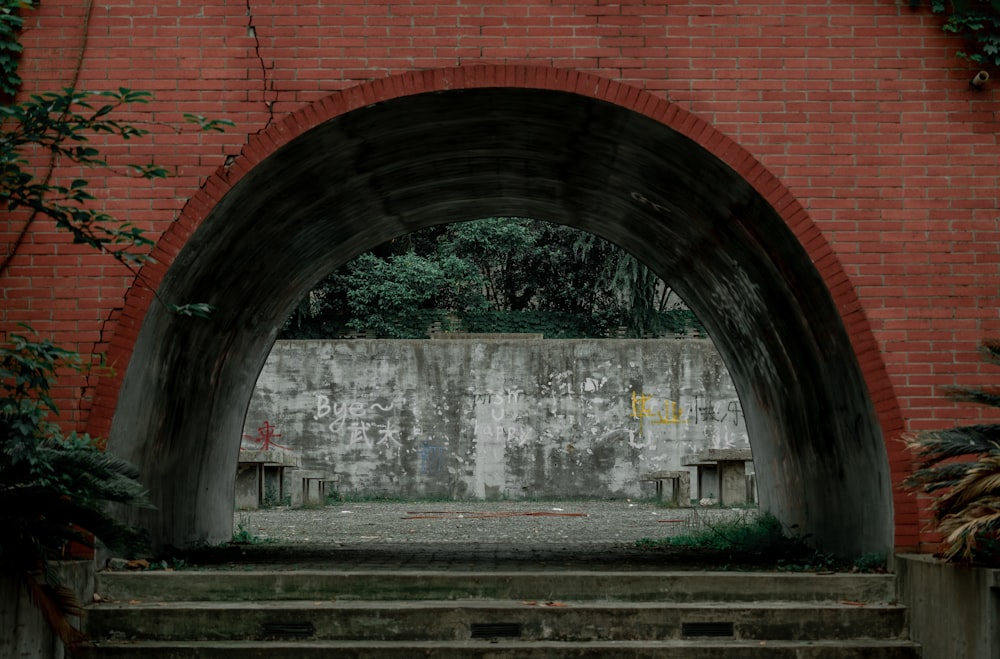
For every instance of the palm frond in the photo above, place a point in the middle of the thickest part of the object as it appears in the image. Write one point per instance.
(86, 458)
(965, 533)
(931, 479)
(981, 483)
(990, 349)
(56, 604)
(57, 520)
(989, 396)
(934, 446)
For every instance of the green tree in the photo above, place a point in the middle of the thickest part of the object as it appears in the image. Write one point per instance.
(641, 298)
(506, 252)
(960, 469)
(54, 485)
(497, 274)
(400, 295)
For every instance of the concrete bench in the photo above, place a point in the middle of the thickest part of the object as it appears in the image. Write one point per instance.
(309, 488)
(259, 474)
(751, 488)
(728, 465)
(326, 486)
(680, 483)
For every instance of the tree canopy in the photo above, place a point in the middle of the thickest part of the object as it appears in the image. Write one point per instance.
(499, 274)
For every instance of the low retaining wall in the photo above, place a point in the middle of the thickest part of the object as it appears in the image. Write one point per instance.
(23, 632)
(494, 418)
(954, 610)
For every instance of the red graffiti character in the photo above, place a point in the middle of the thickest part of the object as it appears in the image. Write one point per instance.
(265, 435)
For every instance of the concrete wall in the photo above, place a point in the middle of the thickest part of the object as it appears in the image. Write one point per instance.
(954, 610)
(24, 634)
(495, 418)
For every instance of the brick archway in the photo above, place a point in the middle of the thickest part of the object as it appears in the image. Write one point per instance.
(392, 156)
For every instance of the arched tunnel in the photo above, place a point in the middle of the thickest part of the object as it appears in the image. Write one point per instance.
(389, 168)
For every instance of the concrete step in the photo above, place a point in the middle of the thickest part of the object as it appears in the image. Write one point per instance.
(702, 649)
(564, 621)
(532, 613)
(533, 584)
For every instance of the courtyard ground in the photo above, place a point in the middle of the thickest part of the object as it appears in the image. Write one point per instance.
(611, 535)
(586, 523)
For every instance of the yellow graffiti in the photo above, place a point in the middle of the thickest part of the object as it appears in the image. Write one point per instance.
(671, 414)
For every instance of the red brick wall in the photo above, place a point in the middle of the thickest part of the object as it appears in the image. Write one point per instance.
(858, 111)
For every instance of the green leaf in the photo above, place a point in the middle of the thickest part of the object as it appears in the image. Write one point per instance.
(150, 171)
(211, 125)
(194, 310)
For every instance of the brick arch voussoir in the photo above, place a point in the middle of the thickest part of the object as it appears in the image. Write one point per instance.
(261, 145)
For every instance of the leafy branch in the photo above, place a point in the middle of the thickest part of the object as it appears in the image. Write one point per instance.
(10, 48)
(978, 21)
(61, 124)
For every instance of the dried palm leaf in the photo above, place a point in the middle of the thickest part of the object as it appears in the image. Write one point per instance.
(56, 604)
(965, 532)
(982, 481)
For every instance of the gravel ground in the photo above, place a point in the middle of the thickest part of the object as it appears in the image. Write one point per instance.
(506, 522)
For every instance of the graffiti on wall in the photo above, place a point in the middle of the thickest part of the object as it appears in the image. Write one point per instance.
(350, 419)
(725, 411)
(264, 439)
(495, 418)
(701, 411)
(643, 408)
(556, 418)
(566, 383)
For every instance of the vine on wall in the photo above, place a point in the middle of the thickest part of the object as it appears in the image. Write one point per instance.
(978, 21)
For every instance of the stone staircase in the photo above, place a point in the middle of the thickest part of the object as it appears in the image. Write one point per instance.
(463, 614)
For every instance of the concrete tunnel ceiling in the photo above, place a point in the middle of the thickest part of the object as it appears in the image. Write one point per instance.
(396, 166)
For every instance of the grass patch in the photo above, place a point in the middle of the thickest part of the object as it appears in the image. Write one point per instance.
(244, 536)
(746, 533)
(750, 539)
(336, 498)
(271, 499)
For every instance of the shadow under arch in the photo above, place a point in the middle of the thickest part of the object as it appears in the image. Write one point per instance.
(462, 147)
